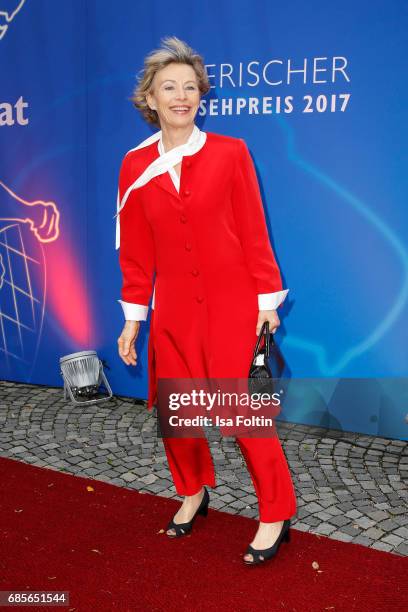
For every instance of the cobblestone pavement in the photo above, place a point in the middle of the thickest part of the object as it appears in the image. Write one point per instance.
(349, 487)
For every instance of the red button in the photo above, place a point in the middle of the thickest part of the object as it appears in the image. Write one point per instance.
(199, 298)
(183, 219)
(194, 272)
(188, 246)
(188, 163)
(187, 192)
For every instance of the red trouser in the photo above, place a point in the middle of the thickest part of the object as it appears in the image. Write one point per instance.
(191, 466)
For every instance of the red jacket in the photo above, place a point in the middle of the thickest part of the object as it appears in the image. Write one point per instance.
(209, 250)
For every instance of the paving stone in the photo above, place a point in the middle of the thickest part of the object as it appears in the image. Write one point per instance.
(238, 505)
(328, 500)
(323, 516)
(227, 498)
(313, 507)
(107, 445)
(364, 522)
(353, 530)
(218, 504)
(301, 526)
(249, 499)
(50, 446)
(402, 532)
(377, 515)
(399, 510)
(163, 473)
(128, 477)
(310, 496)
(339, 535)
(18, 449)
(346, 506)
(393, 540)
(170, 493)
(75, 460)
(248, 512)
(339, 520)
(374, 533)
(382, 546)
(388, 525)
(148, 479)
(353, 514)
(312, 521)
(142, 471)
(85, 464)
(402, 549)
(324, 529)
(334, 510)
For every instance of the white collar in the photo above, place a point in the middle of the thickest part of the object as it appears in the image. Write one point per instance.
(173, 174)
(161, 164)
(192, 139)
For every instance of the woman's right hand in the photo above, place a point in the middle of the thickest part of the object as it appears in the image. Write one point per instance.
(126, 342)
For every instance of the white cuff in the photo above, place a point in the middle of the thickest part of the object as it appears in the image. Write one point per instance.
(270, 301)
(134, 312)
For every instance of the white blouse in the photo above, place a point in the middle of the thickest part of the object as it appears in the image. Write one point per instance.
(139, 312)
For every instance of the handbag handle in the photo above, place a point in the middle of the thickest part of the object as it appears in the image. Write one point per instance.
(268, 339)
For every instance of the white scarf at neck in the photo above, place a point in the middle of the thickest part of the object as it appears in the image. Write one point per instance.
(160, 165)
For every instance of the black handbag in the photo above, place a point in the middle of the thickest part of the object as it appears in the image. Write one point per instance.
(267, 364)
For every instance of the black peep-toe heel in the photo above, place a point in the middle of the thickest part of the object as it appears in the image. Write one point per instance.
(260, 556)
(182, 529)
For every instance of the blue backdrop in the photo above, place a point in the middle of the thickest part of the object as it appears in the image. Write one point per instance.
(317, 91)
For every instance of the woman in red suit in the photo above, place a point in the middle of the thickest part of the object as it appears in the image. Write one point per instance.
(190, 214)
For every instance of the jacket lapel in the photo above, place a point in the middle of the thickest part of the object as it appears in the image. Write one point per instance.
(163, 181)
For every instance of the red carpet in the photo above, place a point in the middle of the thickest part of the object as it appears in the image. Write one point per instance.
(104, 547)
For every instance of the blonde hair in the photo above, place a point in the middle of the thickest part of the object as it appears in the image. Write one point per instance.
(172, 50)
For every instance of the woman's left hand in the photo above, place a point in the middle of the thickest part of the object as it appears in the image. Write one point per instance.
(268, 315)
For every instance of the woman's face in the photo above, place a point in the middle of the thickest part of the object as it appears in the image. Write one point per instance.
(175, 95)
